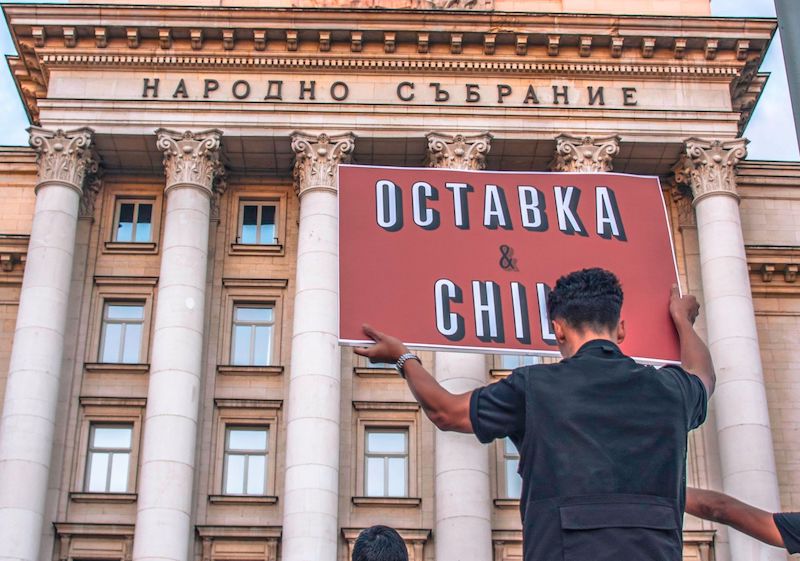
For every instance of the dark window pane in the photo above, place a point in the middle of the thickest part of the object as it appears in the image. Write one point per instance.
(125, 223)
(143, 223)
(249, 224)
(268, 214)
(145, 214)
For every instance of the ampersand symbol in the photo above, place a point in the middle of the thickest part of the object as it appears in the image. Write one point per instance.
(507, 261)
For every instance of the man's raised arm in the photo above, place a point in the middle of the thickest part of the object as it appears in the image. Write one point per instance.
(695, 357)
(449, 412)
(711, 505)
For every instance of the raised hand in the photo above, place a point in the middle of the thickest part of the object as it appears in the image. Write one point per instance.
(683, 308)
(385, 349)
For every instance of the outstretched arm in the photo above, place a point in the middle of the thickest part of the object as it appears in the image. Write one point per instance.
(724, 509)
(449, 412)
(695, 357)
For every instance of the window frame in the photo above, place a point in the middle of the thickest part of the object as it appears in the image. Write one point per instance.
(386, 456)
(93, 449)
(262, 194)
(381, 415)
(107, 411)
(502, 457)
(125, 189)
(243, 413)
(254, 292)
(104, 321)
(136, 202)
(259, 204)
(227, 453)
(253, 325)
(120, 289)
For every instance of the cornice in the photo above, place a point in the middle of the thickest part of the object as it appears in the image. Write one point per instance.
(376, 40)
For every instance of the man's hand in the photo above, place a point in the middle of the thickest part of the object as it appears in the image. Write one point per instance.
(695, 357)
(385, 349)
(447, 411)
(683, 308)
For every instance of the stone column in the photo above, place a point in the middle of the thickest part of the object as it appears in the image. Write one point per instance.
(740, 402)
(311, 485)
(585, 154)
(163, 517)
(462, 485)
(29, 412)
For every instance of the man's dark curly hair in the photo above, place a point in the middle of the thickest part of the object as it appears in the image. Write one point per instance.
(379, 543)
(589, 298)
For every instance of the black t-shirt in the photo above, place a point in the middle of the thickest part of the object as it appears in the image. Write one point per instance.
(788, 524)
(602, 444)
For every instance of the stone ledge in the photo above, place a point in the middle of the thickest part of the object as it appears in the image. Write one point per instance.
(243, 499)
(366, 372)
(84, 497)
(238, 370)
(130, 248)
(507, 503)
(117, 368)
(395, 502)
(257, 249)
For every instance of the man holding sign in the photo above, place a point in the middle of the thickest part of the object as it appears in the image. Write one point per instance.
(602, 439)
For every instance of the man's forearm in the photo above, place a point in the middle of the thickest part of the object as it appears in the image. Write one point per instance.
(446, 410)
(695, 356)
(718, 507)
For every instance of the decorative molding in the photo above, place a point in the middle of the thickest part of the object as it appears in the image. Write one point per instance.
(92, 186)
(709, 166)
(63, 157)
(238, 542)
(458, 151)
(585, 154)
(483, 5)
(682, 199)
(746, 90)
(434, 65)
(117, 367)
(317, 159)
(773, 270)
(243, 499)
(190, 159)
(13, 254)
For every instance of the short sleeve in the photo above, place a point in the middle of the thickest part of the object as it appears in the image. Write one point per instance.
(498, 410)
(694, 394)
(788, 524)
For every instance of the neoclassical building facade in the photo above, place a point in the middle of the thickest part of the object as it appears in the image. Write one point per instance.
(172, 384)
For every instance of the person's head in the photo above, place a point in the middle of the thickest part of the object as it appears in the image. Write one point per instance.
(379, 543)
(586, 305)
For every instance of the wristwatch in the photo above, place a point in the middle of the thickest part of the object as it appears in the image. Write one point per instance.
(402, 360)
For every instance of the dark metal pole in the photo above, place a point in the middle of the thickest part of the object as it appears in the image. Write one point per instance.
(789, 24)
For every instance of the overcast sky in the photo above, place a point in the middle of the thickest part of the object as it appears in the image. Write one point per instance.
(771, 129)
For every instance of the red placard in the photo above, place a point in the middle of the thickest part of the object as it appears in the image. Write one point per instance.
(452, 259)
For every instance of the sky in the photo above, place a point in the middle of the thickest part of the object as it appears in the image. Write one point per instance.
(771, 128)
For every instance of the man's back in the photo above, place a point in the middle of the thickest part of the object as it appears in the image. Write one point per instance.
(602, 445)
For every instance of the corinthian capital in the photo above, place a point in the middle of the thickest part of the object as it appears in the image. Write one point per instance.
(63, 157)
(709, 166)
(585, 154)
(458, 151)
(190, 158)
(317, 159)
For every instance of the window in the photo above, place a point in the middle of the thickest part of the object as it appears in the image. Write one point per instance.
(133, 221)
(257, 223)
(510, 362)
(121, 334)
(513, 481)
(245, 469)
(386, 463)
(108, 461)
(251, 343)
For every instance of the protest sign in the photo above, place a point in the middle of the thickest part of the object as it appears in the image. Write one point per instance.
(463, 260)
